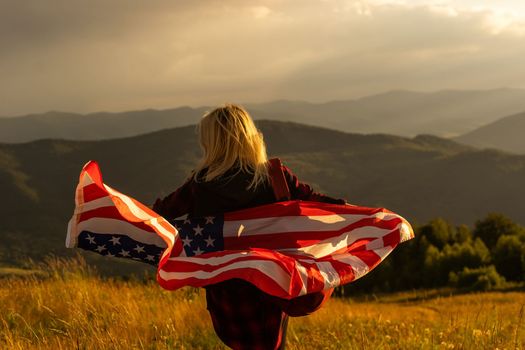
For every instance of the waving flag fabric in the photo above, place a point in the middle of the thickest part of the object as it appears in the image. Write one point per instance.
(286, 249)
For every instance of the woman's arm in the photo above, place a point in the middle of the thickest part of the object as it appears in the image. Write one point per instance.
(303, 191)
(175, 204)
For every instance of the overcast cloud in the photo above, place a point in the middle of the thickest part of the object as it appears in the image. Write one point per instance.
(116, 55)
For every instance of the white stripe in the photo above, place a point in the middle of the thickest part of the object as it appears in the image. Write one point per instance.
(139, 213)
(270, 268)
(330, 276)
(359, 267)
(383, 252)
(332, 222)
(303, 273)
(171, 236)
(115, 226)
(72, 234)
(405, 232)
(86, 179)
(375, 244)
(142, 215)
(330, 245)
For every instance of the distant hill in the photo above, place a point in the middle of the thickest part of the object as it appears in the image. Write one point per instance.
(506, 134)
(94, 126)
(443, 113)
(406, 113)
(420, 178)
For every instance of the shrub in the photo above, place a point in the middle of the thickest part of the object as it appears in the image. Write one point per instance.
(467, 254)
(482, 278)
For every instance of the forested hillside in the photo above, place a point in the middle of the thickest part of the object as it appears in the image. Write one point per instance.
(421, 178)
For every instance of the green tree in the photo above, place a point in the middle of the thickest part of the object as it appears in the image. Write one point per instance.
(462, 234)
(493, 226)
(438, 232)
(431, 267)
(453, 258)
(508, 257)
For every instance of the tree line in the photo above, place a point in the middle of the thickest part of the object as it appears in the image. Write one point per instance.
(487, 256)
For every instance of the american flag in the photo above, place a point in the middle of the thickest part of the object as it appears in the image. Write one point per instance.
(287, 249)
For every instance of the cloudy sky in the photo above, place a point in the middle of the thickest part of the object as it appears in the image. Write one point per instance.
(115, 55)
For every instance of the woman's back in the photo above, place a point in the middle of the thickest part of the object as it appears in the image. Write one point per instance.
(229, 193)
(234, 174)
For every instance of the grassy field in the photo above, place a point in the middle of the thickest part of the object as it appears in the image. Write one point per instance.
(66, 306)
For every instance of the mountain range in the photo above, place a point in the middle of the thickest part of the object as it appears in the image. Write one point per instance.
(444, 113)
(420, 178)
(506, 134)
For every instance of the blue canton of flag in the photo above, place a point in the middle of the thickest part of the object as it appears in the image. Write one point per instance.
(120, 246)
(200, 235)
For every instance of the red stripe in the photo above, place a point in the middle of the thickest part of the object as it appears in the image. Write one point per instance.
(253, 276)
(286, 263)
(283, 240)
(92, 192)
(369, 257)
(299, 208)
(345, 271)
(315, 279)
(392, 239)
(178, 248)
(93, 170)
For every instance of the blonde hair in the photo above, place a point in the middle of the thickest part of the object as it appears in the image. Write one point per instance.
(228, 138)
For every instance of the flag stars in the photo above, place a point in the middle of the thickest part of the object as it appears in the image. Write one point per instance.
(209, 219)
(150, 258)
(101, 248)
(186, 241)
(198, 251)
(110, 255)
(91, 239)
(115, 240)
(198, 230)
(187, 221)
(139, 249)
(209, 241)
(124, 253)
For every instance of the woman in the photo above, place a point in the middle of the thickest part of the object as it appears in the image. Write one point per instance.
(234, 173)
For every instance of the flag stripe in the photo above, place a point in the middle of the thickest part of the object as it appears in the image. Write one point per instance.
(319, 223)
(300, 208)
(268, 268)
(299, 239)
(92, 191)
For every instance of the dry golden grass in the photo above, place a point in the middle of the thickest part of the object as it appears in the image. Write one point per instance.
(72, 308)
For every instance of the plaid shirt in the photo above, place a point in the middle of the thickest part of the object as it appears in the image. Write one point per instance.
(243, 316)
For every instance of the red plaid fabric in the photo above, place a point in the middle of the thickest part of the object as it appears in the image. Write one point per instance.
(246, 318)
